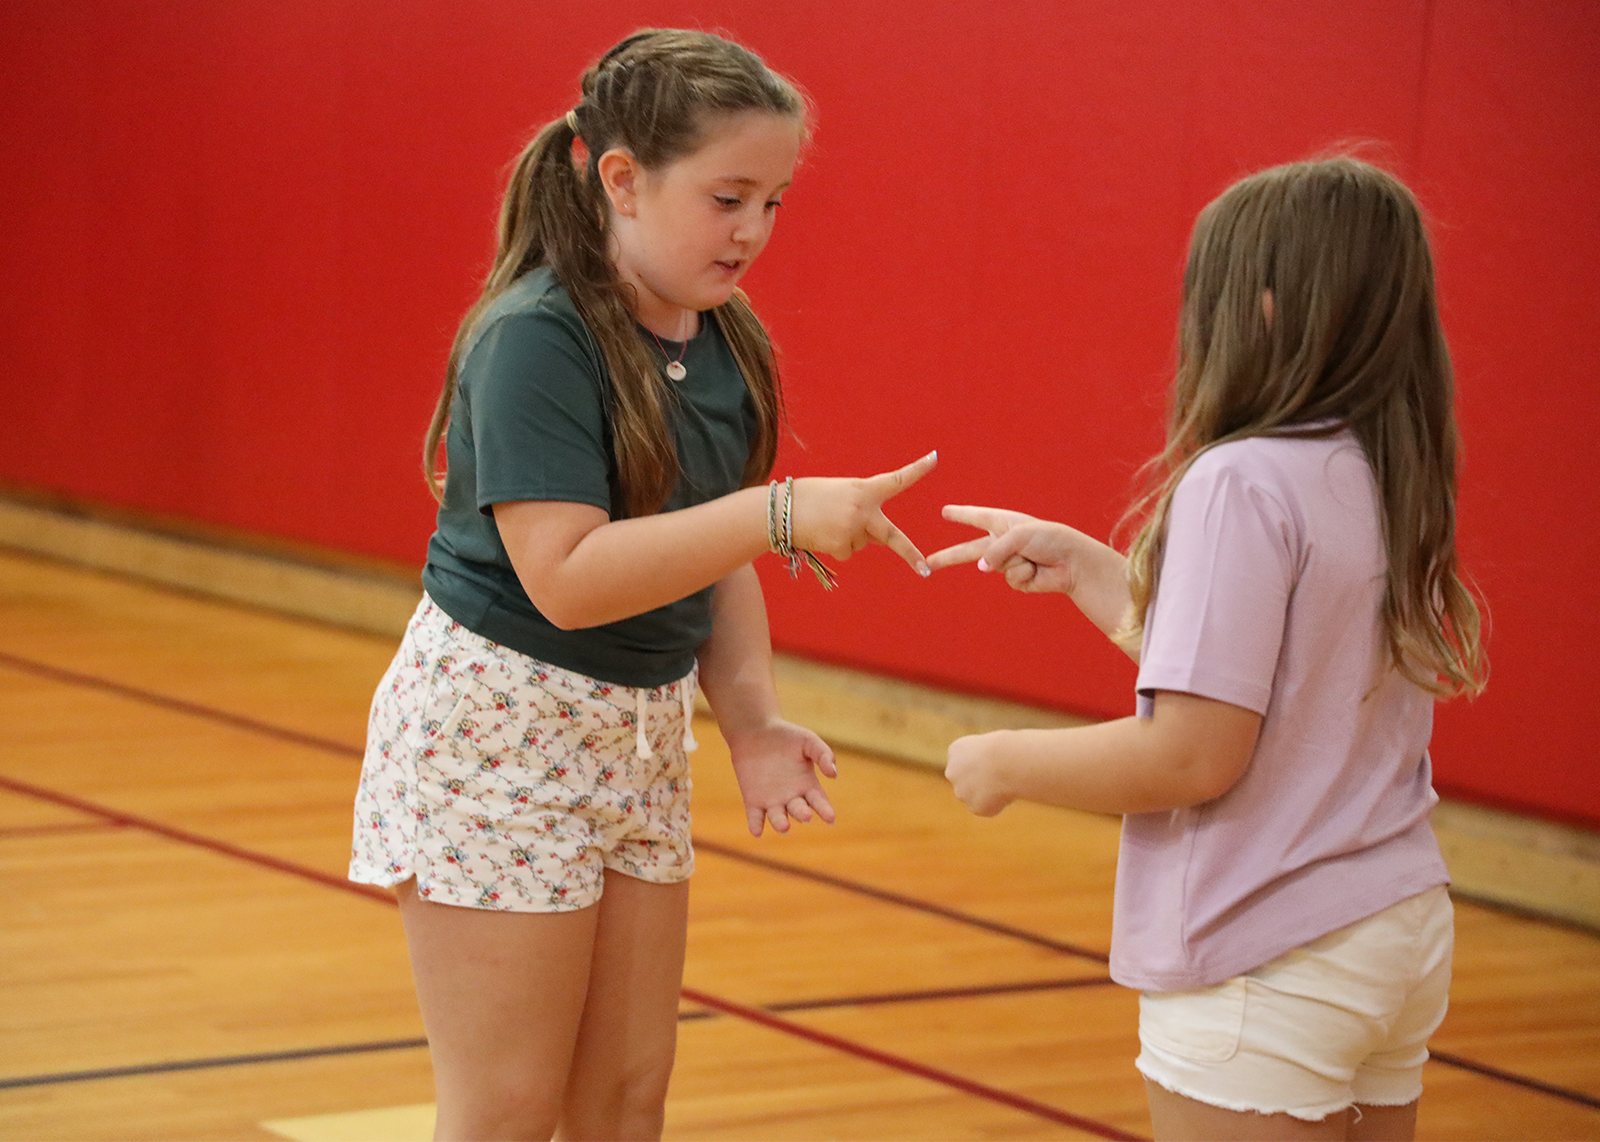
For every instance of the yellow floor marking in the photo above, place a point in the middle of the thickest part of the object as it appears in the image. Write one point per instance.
(390, 1124)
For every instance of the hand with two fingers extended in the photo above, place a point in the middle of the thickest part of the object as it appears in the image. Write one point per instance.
(838, 516)
(777, 766)
(1033, 554)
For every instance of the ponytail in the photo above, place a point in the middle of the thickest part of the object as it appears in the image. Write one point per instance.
(650, 94)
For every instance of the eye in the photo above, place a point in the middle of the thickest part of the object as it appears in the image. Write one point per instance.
(774, 204)
(728, 201)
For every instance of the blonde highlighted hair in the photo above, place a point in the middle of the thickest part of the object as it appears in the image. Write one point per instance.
(1353, 340)
(655, 95)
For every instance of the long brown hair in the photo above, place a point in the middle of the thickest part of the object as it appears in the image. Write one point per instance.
(653, 95)
(1353, 341)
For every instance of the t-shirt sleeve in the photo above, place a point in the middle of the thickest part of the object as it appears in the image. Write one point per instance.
(1216, 624)
(538, 424)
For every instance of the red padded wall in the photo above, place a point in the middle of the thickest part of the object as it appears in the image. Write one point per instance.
(238, 237)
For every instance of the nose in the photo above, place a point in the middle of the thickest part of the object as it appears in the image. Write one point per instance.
(752, 226)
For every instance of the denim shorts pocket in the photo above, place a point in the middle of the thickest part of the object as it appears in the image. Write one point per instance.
(1203, 1026)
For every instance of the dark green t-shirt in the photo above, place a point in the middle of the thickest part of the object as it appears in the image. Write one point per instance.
(531, 421)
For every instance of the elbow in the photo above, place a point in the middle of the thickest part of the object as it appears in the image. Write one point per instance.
(559, 611)
(1206, 777)
(563, 617)
(561, 621)
(1207, 746)
(1208, 785)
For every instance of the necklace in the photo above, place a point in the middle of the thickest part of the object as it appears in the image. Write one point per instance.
(675, 368)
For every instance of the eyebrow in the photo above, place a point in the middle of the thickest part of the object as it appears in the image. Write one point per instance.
(745, 180)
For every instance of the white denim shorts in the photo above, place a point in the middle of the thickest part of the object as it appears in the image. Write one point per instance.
(1343, 1020)
(506, 783)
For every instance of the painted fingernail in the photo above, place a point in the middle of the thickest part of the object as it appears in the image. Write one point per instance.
(983, 565)
(924, 570)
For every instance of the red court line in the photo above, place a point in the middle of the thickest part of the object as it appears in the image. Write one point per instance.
(183, 836)
(904, 901)
(755, 1015)
(51, 830)
(195, 709)
(909, 1066)
(372, 892)
(178, 705)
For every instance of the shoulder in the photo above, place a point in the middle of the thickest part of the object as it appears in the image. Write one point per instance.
(532, 339)
(534, 310)
(1282, 468)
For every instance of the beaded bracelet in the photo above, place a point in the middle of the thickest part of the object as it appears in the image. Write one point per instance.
(780, 536)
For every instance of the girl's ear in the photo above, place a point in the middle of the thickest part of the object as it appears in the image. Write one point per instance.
(619, 174)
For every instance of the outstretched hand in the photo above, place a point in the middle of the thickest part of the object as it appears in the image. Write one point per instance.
(1033, 554)
(777, 767)
(838, 516)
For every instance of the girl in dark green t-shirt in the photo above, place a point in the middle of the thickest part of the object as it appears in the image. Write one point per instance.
(609, 421)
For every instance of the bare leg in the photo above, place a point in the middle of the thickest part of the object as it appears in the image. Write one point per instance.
(617, 1088)
(1385, 1123)
(1176, 1118)
(501, 994)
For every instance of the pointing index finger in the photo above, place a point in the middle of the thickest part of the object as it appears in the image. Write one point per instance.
(992, 520)
(968, 552)
(888, 484)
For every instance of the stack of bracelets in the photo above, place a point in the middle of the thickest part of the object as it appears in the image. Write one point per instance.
(780, 536)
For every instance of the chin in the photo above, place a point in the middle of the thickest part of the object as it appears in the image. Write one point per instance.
(713, 298)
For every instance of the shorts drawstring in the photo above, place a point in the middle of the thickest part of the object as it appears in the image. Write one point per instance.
(641, 700)
(641, 744)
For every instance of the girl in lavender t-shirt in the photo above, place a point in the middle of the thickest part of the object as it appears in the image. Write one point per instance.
(1294, 605)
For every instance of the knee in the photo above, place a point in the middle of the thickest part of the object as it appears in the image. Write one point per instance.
(629, 1104)
(506, 1107)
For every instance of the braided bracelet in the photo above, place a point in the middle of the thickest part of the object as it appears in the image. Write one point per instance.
(780, 537)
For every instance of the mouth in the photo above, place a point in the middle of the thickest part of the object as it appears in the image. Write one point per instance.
(729, 267)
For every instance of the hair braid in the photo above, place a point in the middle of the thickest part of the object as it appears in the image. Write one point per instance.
(653, 94)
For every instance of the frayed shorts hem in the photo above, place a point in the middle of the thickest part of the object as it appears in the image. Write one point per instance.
(1341, 1021)
(1304, 1114)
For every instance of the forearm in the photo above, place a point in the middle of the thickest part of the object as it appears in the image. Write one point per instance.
(1112, 767)
(736, 661)
(627, 567)
(1191, 750)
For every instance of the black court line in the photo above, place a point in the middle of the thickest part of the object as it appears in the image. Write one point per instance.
(372, 892)
(711, 1012)
(136, 1069)
(1489, 1072)
(253, 725)
(909, 1066)
(206, 1064)
(977, 992)
(903, 901)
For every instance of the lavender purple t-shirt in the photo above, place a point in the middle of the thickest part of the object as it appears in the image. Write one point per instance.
(1269, 598)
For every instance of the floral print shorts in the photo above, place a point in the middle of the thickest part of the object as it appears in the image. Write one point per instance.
(506, 783)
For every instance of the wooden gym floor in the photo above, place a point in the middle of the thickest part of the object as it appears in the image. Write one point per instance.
(180, 957)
